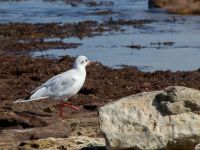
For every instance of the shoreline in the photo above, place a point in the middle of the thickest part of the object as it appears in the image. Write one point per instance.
(20, 72)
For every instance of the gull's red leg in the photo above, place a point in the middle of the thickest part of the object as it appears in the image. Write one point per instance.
(64, 104)
(70, 105)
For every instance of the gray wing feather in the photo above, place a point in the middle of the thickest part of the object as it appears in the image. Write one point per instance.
(59, 84)
(47, 83)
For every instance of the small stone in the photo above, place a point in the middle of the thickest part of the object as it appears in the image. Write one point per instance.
(49, 109)
(79, 142)
(79, 133)
(62, 147)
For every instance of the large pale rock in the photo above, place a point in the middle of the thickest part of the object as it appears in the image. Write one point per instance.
(177, 6)
(167, 119)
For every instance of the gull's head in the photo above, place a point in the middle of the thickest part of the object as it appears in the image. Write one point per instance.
(81, 61)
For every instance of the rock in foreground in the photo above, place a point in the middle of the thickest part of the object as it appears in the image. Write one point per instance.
(167, 119)
(71, 143)
(177, 6)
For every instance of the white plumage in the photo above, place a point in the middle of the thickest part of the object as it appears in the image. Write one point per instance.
(64, 85)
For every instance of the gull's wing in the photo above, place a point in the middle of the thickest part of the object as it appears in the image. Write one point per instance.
(47, 83)
(59, 85)
(38, 90)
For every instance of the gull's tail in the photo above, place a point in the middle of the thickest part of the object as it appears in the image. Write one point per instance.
(29, 100)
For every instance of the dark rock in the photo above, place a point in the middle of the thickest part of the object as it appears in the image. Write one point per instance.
(177, 6)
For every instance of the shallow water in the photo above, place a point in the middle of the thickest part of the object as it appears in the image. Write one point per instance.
(110, 48)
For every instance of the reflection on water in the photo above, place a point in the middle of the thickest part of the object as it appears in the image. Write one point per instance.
(111, 48)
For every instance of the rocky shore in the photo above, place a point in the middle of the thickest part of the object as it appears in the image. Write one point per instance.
(30, 121)
(120, 108)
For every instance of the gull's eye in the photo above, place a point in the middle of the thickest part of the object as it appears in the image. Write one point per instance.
(82, 62)
(86, 60)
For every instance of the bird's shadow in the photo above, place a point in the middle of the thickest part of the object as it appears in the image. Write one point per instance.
(86, 91)
(32, 114)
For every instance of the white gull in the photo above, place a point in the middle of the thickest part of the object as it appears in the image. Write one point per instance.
(62, 86)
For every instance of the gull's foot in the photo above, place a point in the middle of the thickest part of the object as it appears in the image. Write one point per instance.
(64, 104)
(70, 105)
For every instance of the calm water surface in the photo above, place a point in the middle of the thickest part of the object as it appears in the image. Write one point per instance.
(110, 48)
